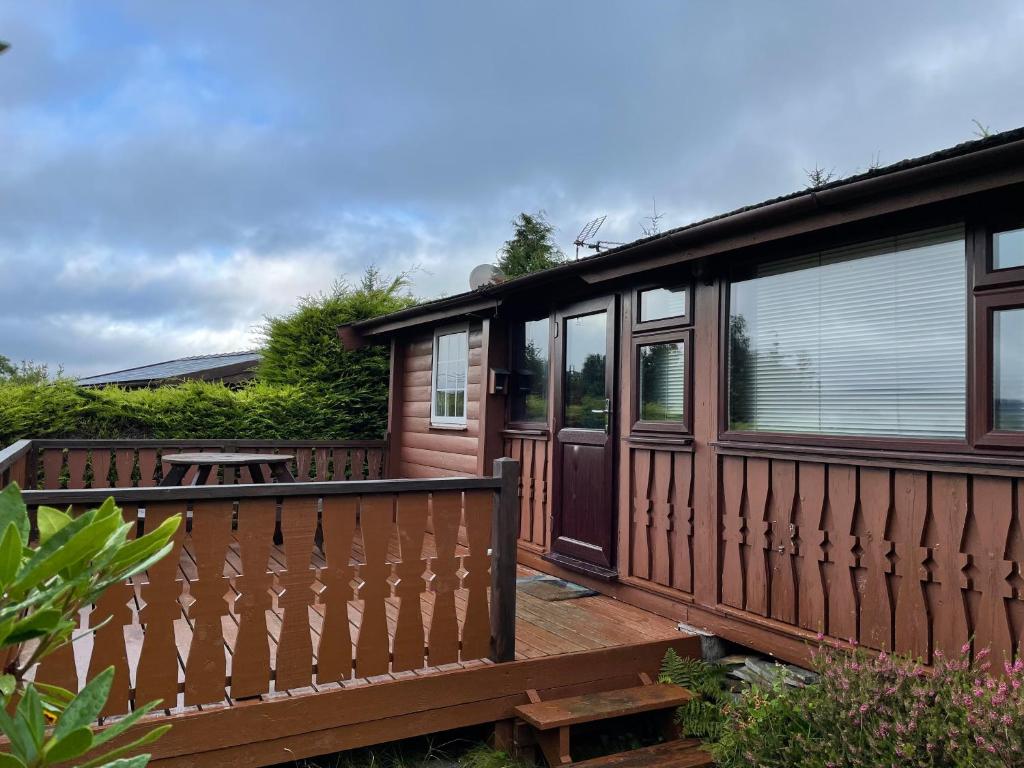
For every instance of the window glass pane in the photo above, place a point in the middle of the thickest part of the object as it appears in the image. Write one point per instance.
(530, 396)
(1008, 249)
(662, 382)
(868, 340)
(659, 303)
(585, 360)
(451, 355)
(1008, 376)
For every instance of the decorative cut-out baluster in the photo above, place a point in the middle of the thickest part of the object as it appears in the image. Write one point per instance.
(758, 581)
(295, 646)
(359, 464)
(205, 670)
(303, 463)
(376, 516)
(949, 510)
(540, 492)
(476, 631)
(875, 604)
(842, 594)
(908, 522)
(446, 512)
(783, 596)
(101, 468)
(640, 559)
(124, 463)
(53, 463)
(334, 654)
(682, 521)
(111, 614)
(809, 541)
(147, 467)
(323, 459)
(733, 475)
(77, 459)
(662, 518)
(250, 662)
(409, 639)
(992, 506)
(374, 464)
(157, 674)
(60, 668)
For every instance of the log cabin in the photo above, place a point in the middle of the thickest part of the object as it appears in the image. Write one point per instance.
(802, 418)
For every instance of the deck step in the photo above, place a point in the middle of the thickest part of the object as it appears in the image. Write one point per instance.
(591, 707)
(681, 753)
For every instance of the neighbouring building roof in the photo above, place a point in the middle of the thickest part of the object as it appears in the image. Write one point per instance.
(987, 155)
(234, 365)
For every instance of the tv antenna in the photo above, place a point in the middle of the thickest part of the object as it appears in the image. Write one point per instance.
(585, 239)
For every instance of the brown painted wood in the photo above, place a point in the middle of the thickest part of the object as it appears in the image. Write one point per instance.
(679, 753)
(950, 509)
(334, 653)
(640, 553)
(842, 589)
(205, 670)
(100, 462)
(409, 640)
(758, 585)
(157, 675)
(681, 533)
(376, 519)
(781, 560)
(250, 660)
(661, 518)
(876, 602)
(295, 645)
(147, 467)
(588, 708)
(734, 530)
(990, 570)
(446, 514)
(810, 546)
(53, 463)
(478, 510)
(504, 525)
(111, 613)
(910, 513)
(124, 466)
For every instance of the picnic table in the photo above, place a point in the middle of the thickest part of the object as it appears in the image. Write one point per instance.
(181, 463)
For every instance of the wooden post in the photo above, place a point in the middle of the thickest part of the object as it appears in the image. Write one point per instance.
(504, 531)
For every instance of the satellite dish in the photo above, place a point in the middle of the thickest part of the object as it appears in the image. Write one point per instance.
(485, 274)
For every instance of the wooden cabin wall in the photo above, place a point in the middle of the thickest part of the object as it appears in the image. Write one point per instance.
(771, 546)
(417, 448)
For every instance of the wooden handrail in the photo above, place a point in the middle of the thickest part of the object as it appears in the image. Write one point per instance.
(13, 463)
(64, 497)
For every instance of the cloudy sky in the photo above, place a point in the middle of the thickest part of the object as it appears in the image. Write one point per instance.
(172, 172)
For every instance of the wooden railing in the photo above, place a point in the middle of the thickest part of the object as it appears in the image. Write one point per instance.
(76, 464)
(372, 578)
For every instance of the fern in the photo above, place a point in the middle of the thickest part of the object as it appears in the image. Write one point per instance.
(701, 717)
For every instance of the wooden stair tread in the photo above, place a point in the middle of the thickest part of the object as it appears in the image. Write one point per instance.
(590, 707)
(681, 753)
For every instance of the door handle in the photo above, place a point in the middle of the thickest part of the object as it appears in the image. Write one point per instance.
(607, 411)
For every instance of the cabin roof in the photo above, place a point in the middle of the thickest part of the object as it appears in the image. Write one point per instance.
(182, 367)
(988, 153)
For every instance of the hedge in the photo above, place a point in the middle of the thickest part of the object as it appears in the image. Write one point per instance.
(191, 410)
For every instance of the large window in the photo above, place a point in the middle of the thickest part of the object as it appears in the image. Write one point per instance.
(451, 369)
(867, 340)
(662, 381)
(530, 352)
(1008, 369)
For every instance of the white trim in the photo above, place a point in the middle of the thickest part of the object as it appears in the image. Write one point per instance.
(445, 420)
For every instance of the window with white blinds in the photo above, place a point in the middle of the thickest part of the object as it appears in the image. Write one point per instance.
(866, 340)
(451, 374)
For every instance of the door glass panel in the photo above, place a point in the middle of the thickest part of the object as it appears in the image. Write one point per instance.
(585, 364)
(1008, 353)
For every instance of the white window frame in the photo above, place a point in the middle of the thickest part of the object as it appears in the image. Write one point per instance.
(448, 421)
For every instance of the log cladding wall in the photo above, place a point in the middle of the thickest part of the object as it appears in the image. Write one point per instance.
(911, 560)
(660, 529)
(532, 453)
(420, 449)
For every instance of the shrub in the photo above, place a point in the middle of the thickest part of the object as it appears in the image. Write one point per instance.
(701, 717)
(880, 710)
(42, 590)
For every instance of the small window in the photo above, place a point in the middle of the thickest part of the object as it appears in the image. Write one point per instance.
(662, 303)
(1008, 249)
(530, 349)
(451, 370)
(663, 381)
(1008, 369)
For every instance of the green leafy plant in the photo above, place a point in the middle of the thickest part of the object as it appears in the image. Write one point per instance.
(701, 717)
(44, 585)
(531, 247)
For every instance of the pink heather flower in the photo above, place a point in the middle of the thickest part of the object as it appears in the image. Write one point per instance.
(939, 654)
(820, 636)
(983, 653)
(863, 708)
(965, 648)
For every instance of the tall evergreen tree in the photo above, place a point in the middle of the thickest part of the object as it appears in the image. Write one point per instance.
(531, 248)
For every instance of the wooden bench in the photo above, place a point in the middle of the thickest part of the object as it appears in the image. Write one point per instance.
(553, 719)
